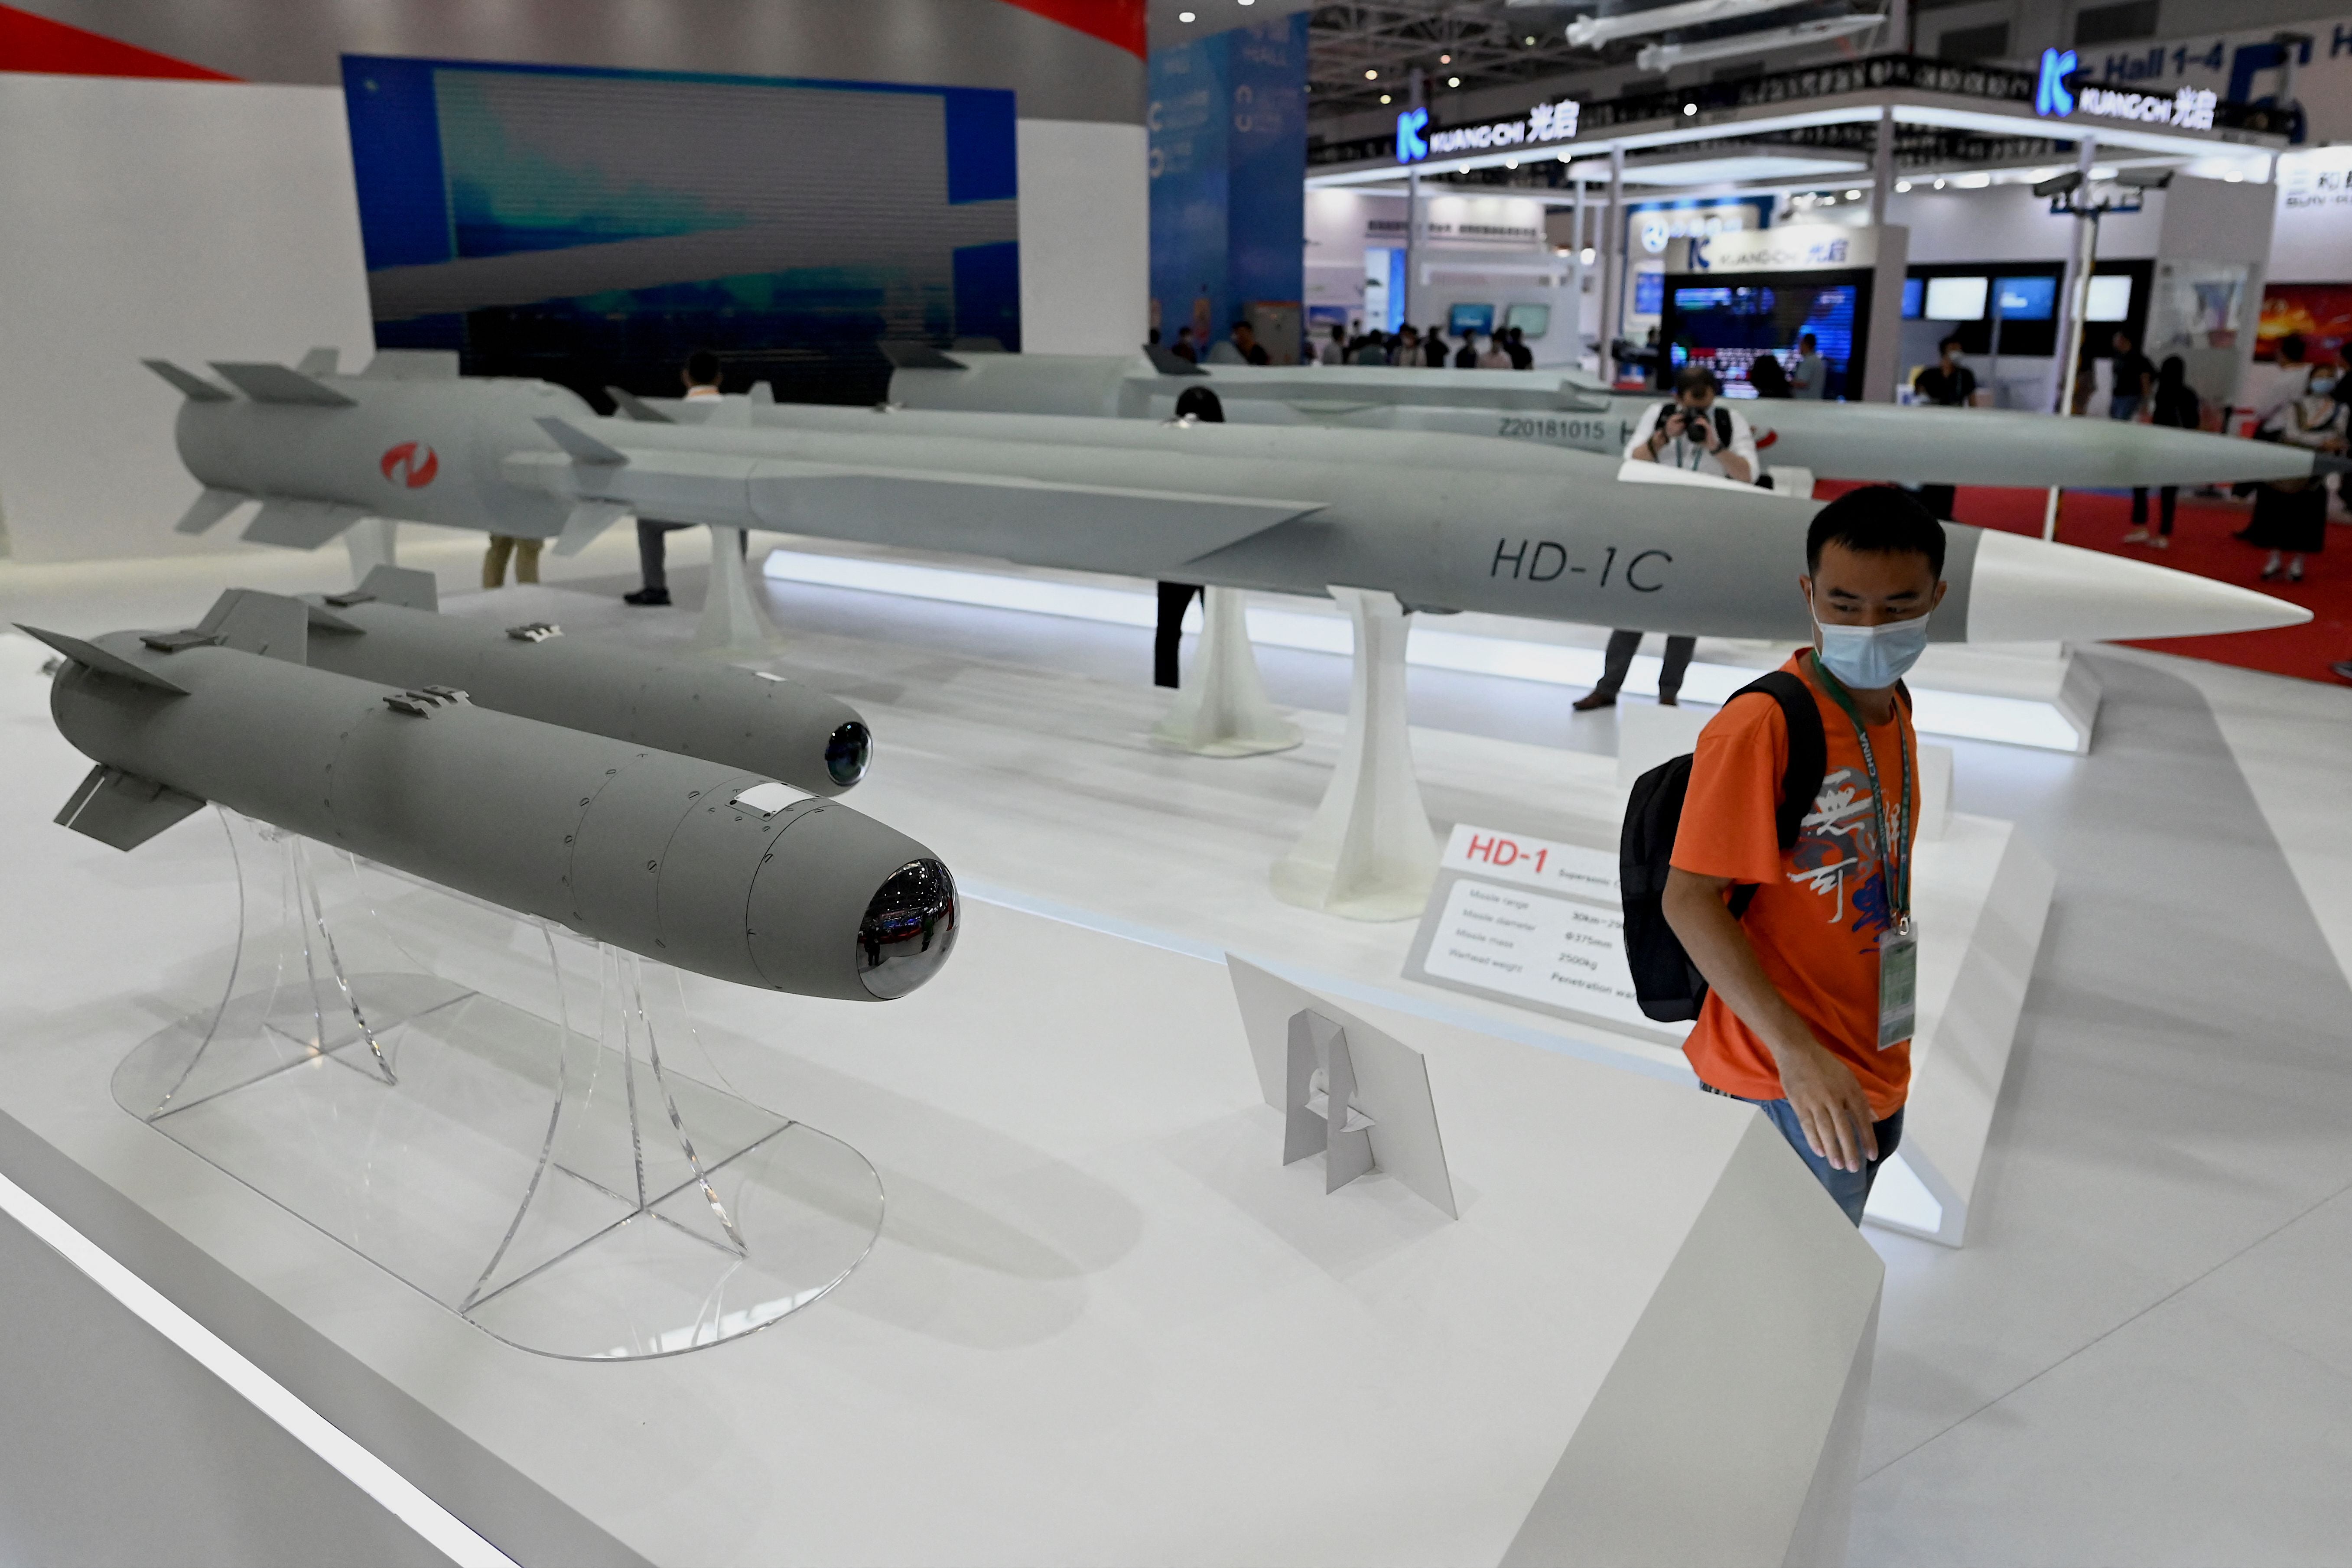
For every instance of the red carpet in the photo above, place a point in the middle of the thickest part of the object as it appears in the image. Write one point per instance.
(2097, 519)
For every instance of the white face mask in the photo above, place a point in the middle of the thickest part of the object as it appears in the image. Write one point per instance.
(1870, 658)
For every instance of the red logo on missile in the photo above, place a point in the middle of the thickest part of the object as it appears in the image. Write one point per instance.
(411, 465)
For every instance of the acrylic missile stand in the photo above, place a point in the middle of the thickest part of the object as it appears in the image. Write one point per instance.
(1221, 710)
(516, 1121)
(1367, 852)
(732, 624)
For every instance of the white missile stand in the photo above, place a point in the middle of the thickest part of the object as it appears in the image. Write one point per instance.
(732, 623)
(374, 541)
(1369, 854)
(516, 1121)
(1221, 710)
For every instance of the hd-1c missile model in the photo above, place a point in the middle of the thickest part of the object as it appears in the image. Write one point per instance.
(1873, 441)
(705, 865)
(1443, 521)
(387, 631)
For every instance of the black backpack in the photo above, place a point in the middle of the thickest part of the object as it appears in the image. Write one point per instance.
(1667, 982)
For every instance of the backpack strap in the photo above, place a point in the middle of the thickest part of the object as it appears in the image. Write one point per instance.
(1809, 757)
(1722, 425)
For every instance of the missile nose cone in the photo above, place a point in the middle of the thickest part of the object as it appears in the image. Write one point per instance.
(909, 931)
(2026, 590)
(849, 753)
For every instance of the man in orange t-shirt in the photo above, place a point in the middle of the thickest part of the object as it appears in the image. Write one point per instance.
(1808, 1009)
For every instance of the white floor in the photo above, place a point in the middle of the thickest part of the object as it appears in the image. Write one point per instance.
(2145, 1353)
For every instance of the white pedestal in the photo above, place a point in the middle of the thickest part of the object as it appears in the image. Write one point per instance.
(732, 622)
(1221, 709)
(374, 541)
(1369, 854)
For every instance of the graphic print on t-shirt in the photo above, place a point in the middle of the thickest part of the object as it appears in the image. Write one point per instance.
(1836, 857)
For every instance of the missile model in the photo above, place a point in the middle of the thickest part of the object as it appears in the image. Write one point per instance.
(386, 631)
(1441, 521)
(1873, 441)
(703, 865)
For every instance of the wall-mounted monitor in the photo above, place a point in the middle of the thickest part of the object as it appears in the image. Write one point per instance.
(1533, 320)
(1956, 299)
(1649, 293)
(2033, 298)
(1914, 297)
(1464, 319)
(1729, 327)
(2110, 298)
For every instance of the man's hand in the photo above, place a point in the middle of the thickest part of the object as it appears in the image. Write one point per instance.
(1829, 1103)
(1706, 435)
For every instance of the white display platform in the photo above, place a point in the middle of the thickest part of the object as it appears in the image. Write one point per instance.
(2026, 694)
(1104, 1322)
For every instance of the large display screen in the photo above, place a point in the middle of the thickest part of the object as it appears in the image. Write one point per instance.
(596, 226)
(1530, 319)
(2026, 299)
(1462, 318)
(1729, 328)
(1956, 299)
(2108, 299)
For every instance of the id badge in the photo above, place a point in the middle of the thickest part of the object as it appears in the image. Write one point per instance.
(1898, 985)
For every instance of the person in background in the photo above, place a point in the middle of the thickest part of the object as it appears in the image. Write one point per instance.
(1807, 1013)
(1245, 344)
(1494, 356)
(1407, 348)
(1466, 357)
(2291, 515)
(701, 378)
(2134, 378)
(1434, 352)
(1196, 403)
(1770, 377)
(1697, 434)
(1811, 378)
(1151, 338)
(1183, 348)
(1372, 350)
(2172, 403)
(1335, 349)
(526, 561)
(1515, 344)
(1948, 384)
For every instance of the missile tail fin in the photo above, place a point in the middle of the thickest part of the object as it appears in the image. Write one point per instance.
(910, 354)
(588, 519)
(319, 361)
(637, 407)
(194, 388)
(208, 509)
(279, 383)
(299, 524)
(250, 621)
(124, 810)
(402, 586)
(1168, 362)
(763, 394)
(91, 657)
(412, 364)
(584, 447)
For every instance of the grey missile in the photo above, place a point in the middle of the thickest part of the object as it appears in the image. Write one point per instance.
(1872, 441)
(1444, 521)
(387, 631)
(709, 867)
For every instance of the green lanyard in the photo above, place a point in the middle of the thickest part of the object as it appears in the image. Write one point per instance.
(1899, 890)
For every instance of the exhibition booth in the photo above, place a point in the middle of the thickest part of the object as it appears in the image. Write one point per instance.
(765, 1039)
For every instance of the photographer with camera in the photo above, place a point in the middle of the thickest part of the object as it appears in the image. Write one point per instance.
(1699, 434)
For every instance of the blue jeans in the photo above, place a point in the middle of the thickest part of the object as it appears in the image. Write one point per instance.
(1850, 1188)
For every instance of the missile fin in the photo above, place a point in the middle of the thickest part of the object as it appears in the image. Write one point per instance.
(90, 656)
(279, 383)
(250, 621)
(911, 353)
(319, 361)
(299, 524)
(403, 585)
(763, 394)
(1168, 362)
(637, 407)
(124, 810)
(588, 519)
(412, 364)
(584, 447)
(323, 619)
(208, 509)
(194, 388)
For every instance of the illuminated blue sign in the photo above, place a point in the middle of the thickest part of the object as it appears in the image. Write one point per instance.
(1412, 142)
(2052, 96)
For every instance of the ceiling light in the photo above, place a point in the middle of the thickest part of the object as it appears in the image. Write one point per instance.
(1902, 187)
(1972, 182)
(1372, 76)
(1453, 81)
(1564, 157)
(1246, 2)
(1854, 195)
(1531, 40)
(2234, 176)
(1940, 184)
(1690, 109)
(1184, 16)
(1384, 97)
(1829, 201)
(1446, 59)
(1586, 255)
(1510, 162)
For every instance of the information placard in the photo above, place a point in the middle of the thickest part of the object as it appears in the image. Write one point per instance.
(1536, 921)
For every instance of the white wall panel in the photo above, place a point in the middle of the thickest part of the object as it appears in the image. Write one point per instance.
(1085, 237)
(177, 220)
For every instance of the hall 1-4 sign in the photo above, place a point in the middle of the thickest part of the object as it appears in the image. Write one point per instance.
(1545, 123)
